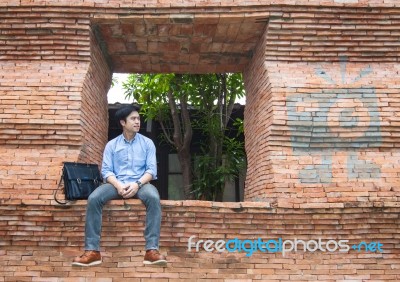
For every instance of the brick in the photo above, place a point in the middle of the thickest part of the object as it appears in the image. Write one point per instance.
(301, 162)
(255, 266)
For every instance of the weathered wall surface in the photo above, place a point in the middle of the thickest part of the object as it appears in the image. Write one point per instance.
(321, 114)
(39, 242)
(54, 81)
(306, 144)
(321, 126)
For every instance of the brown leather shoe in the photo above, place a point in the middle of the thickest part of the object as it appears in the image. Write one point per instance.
(88, 258)
(154, 257)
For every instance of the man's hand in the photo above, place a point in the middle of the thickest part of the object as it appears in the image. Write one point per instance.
(121, 188)
(129, 190)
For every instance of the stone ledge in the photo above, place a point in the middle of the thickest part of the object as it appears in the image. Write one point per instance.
(151, 4)
(40, 238)
(238, 207)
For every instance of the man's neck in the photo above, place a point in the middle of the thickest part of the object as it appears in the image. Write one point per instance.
(129, 136)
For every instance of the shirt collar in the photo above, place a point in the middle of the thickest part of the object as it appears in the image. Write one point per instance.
(129, 142)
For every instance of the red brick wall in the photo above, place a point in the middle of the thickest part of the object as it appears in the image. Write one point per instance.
(354, 164)
(314, 158)
(39, 241)
(94, 106)
(191, 3)
(321, 128)
(63, 103)
(54, 84)
(257, 123)
(40, 125)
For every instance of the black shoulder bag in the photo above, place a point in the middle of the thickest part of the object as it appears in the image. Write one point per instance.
(80, 180)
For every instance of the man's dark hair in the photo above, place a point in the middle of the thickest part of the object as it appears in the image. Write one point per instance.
(123, 112)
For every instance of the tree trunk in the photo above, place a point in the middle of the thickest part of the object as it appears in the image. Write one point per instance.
(221, 106)
(218, 160)
(185, 161)
(182, 137)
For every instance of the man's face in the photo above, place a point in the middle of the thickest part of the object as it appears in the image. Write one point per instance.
(132, 123)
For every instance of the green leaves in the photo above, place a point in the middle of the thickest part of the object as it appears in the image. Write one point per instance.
(210, 177)
(149, 90)
(183, 101)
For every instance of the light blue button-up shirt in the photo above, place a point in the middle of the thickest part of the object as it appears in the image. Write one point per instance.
(128, 161)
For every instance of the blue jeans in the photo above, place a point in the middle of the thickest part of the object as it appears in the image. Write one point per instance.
(106, 192)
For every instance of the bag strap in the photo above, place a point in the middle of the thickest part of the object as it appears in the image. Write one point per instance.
(58, 189)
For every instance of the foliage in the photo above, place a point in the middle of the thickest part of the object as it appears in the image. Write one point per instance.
(150, 91)
(210, 97)
(219, 94)
(164, 97)
(114, 81)
(209, 183)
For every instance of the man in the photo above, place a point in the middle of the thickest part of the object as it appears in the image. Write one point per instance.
(129, 163)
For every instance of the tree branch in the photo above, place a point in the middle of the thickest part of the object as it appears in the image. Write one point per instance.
(187, 135)
(166, 134)
(177, 135)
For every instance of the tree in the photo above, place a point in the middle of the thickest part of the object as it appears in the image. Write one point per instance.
(222, 157)
(164, 97)
(167, 98)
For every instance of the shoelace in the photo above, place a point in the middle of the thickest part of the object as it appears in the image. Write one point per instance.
(85, 254)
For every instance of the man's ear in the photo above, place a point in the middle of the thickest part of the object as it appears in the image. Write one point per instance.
(122, 122)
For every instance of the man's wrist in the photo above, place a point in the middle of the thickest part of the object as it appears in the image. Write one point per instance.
(140, 184)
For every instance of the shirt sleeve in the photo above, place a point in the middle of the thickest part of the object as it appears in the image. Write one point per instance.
(151, 160)
(107, 167)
